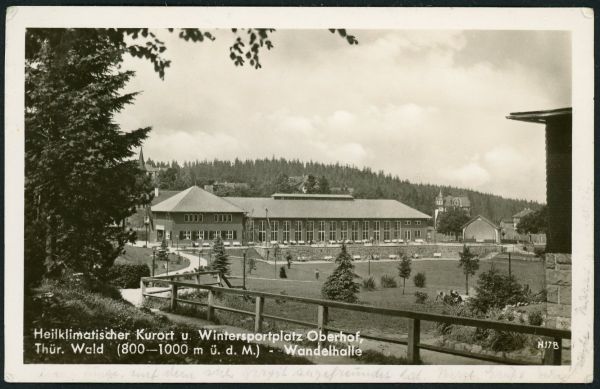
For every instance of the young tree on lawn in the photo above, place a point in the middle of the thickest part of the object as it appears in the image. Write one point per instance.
(469, 262)
(451, 221)
(221, 261)
(340, 285)
(404, 270)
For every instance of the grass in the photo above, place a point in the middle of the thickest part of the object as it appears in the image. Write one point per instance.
(135, 255)
(54, 306)
(441, 275)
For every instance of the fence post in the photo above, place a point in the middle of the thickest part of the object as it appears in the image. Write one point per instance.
(210, 311)
(553, 356)
(260, 301)
(322, 318)
(198, 279)
(143, 287)
(173, 297)
(414, 335)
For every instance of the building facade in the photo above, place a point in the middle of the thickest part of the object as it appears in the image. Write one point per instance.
(195, 214)
(480, 230)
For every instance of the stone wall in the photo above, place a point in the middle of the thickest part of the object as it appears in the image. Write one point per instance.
(384, 251)
(558, 286)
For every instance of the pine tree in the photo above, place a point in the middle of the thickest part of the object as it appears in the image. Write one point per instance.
(404, 270)
(81, 181)
(340, 285)
(469, 263)
(221, 261)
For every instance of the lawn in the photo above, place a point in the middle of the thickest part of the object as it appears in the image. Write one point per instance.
(441, 275)
(136, 255)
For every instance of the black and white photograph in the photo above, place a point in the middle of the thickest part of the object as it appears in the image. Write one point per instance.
(334, 195)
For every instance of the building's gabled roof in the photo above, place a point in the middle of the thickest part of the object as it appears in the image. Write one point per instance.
(195, 199)
(163, 195)
(479, 217)
(260, 207)
(311, 196)
(524, 212)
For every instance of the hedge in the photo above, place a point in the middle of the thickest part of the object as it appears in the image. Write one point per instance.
(127, 275)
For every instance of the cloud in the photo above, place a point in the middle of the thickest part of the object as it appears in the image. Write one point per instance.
(471, 175)
(418, 104)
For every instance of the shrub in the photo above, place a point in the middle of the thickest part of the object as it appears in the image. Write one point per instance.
(282, 273)
(419, 280)
(388, 281)
(535, 318)
(421, 297)
(368, 283)
(495, 290)
(127, 275)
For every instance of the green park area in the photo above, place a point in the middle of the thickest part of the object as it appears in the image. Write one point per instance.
(133, 255)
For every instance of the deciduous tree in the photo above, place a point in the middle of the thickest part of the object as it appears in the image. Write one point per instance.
(534, 223)
(404, 270)
(469, 263)
(451, 221)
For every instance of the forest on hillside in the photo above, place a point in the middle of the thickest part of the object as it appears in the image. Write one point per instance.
(264, 177)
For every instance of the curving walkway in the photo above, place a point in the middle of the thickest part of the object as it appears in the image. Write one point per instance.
(134, 295)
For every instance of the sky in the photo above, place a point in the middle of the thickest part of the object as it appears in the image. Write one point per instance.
(428, 106)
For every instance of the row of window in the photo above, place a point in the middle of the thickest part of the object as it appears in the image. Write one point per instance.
(207, 235)
(197, 217)
(354, 233)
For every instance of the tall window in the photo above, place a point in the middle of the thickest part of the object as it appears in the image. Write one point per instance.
(251, 230)
(344, 230)
(397, 230)
(195, 235)
(386, 230)
(275, 230)
(286, 231)
(376, 230)
(230, 235)
(298, 231)
(365, 230)
(310, 231)
(321, 231)
(332, 231)
(262, 231)
(417, 234)
(355, 231)
(407, 235)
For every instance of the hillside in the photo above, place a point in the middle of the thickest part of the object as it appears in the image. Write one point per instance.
(262, 177)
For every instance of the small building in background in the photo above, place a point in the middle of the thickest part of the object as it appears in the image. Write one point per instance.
(481, 230)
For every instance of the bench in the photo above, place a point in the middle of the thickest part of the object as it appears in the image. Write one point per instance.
(437, 255)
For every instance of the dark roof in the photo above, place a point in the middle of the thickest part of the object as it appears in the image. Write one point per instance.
(479, 217)
(540, 116)
(307, 196)
(329, 209)
(524, 212)
(195, 199)
(163, 195)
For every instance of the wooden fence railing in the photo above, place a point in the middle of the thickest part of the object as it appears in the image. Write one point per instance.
(553, 356)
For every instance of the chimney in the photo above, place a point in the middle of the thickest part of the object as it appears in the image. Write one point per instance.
(156, 192)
